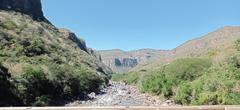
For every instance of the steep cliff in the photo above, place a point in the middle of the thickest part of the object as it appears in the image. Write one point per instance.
(32, 8)
(122, 61)
(70, 35)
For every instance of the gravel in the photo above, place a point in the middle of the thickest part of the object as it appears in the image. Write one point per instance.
(121, 94)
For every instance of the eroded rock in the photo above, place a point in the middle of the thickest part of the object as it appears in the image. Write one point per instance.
(32, 8)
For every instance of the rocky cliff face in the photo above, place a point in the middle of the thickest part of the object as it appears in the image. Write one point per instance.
(70, 35)
(126, 62)
(121, 64)
(32, 8)
(122, 61)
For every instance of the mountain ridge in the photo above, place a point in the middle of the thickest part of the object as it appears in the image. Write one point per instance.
(186, 49)
(202, 71)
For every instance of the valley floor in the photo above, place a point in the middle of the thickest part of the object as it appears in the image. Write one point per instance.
(120, 94)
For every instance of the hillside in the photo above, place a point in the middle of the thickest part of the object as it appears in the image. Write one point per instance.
(216, 44)
(41, 64)
(203, 71)
(212, 43)
(121, 61)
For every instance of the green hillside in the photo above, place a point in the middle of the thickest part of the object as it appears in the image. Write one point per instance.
(201, 75)
(43, 65)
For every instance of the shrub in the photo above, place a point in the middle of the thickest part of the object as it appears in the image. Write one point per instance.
(38, 88)
(232, 98)
(187, 69)
(35, 86)
(72, 81)
(131, 78)
(37, 47)
(212, 88)
(19, 50)
(60, 76)
(41, 101)
(164, 81)
(184, 94)
(237, 44)
(8, 24)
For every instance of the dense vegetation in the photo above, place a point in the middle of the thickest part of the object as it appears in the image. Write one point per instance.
(193, 81)
(40, 66)
(37, 88)
(7, 90)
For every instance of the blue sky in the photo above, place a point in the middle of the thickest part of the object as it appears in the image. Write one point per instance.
(136, 24)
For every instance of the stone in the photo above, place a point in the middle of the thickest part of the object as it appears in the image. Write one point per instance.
(119, 94)
(92, 95)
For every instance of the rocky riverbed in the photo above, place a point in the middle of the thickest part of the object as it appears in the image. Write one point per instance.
(121, 94)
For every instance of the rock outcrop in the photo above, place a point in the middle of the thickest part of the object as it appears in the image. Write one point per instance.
(122, 61)
(32, 8)
(70, 35)
(126, 62)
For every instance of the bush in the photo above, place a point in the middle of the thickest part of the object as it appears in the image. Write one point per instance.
(35, 84)
(41, 101)
(237, 44)
(37, 47)
(9, 25)
(164, 81)
(62, 82)
(187, 69)
(131, 78)
(215, 87)
(72, 81)
(61, 77)
(184, 94)
(232, 98)
(19, 50)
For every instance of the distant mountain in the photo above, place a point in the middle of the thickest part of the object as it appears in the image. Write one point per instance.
(216, 44)
(217, 40)
(121, 61)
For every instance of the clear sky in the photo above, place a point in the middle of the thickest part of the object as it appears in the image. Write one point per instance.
(135, 24)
